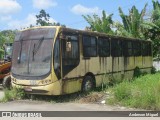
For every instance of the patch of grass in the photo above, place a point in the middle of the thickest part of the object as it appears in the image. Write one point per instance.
(123, 92)
(13, 94)
(81, 97)
(60, 98)
(142, 92)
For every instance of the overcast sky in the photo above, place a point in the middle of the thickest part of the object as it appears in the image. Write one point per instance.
(17, 14)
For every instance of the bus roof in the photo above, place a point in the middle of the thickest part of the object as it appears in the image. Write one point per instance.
(95, 33)
(36, 27)
(85, 32)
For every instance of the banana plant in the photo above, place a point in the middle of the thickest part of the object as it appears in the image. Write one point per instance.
(154, 33)
(156, 15)
(101, 24)
(132, 24)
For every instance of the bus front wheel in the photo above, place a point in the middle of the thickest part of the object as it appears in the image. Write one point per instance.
(87, 84)
(6, 82)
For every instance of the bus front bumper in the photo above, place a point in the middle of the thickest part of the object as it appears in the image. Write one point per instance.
(50, 89)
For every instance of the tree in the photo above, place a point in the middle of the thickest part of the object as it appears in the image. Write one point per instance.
(2, 40)
(154, 32)
(43, 18)
(9, 35)
(133, 25)
(102, 24)
(156, 14)
(6, 36)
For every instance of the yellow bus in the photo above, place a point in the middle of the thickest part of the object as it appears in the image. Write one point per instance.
(54, 60)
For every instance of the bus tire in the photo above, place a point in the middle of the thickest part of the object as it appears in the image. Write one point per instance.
(6, 82)
(87, 84)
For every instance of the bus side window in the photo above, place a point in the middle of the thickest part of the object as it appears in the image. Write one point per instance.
(103, 47)
(146, 49)
(116, 48)
(137, 48)
(56, 58)
(128, 48)
(89, 46)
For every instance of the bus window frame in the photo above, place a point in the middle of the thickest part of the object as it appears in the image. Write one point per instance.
(147, 50)
(137, 49)
(127, 48)
(89, 46)
(104, 46)
(120, 45)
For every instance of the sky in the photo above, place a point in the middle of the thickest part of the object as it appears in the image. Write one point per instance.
(19, 14)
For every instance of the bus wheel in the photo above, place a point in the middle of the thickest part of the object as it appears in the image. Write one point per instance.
(87, 84)
(6, 82)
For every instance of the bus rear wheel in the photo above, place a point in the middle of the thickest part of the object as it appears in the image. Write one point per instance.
(87, 84)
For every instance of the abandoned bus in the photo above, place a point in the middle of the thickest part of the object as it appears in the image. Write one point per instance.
(55, 60)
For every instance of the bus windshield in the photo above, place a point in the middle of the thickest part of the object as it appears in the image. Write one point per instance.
(32, 52)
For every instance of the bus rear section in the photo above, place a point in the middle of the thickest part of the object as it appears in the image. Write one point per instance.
(57, 60)
(102, 59)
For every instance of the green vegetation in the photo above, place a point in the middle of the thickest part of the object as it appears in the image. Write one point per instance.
(135, 24)
(102, 24)
(153, 33)
(43, 19)
(137, 72)
(13, 94)
(80, 97)
(6, 36)
(142, 92)
(153, 70)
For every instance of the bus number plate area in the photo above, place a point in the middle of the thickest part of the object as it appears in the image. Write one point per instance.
(28, 89)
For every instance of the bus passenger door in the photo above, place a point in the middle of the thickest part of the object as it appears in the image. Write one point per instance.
(70, 54)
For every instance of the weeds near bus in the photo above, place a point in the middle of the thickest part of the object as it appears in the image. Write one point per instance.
(137, 72)
(143, 92)
(13, 94)
(153, 70)
(80, 97)
(59, 98)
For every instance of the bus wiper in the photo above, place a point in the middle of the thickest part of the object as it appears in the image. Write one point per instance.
(36, 47)
(20, 52)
